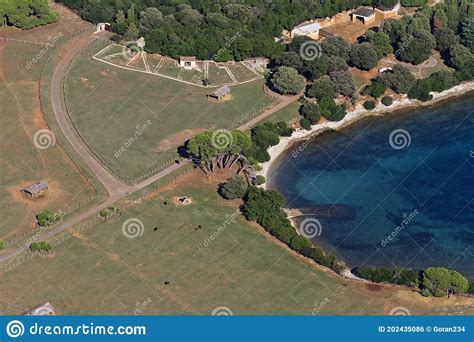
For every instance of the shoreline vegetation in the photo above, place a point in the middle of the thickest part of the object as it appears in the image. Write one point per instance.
(367, 274)
(352, 117)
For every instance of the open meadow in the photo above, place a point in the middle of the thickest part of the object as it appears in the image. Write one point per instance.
(29, 152)
(192, 259)
(135, 121)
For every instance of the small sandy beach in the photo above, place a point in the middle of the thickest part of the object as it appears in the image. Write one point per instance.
(355, 115)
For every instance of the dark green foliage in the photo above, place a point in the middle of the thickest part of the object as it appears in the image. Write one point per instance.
(260, 180)
(311, 112)
(305, 124)
(363, 56)
(264, 136)
(445, 39)
(316, 68)
(438, 281)
(2, 245)
(299, 242)
(471, 287)
(321, 88)
(342, 82)
(369, 105)
(47, 217)
(421, 90)
(330, 110)
(235, 187)
(381, 43)
(290, 59)
(26, 14)
(399, 79)
(387, 100)
(385, 4)
(413, 3)
(442, 80)
(286, 80)
(40, 246)
(336, 46)
(393, 275)
(375, 89)
(418, 47)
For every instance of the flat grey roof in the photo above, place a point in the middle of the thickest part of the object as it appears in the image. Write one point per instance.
(363, 12)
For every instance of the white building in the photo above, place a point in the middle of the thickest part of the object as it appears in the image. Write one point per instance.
(310, 30)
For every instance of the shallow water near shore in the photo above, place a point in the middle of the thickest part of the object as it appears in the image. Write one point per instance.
(408, 176)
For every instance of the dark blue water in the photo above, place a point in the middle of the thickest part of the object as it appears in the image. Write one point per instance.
(429, 184)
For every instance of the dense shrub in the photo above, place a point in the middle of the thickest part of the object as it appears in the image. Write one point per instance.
(363, 56)
(387, 100)
(321, 88)
(369, 105)
(413, 3)
(305, 124)
(47, 217)
(438, 281)
(259, 180)
(399, 79)
(234, 187)
(286, 80)
(311, 112)
(375, 89)
(421, 90)
(393, 275)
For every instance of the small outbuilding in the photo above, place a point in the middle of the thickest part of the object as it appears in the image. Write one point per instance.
(41, 310)
(363, 14)
(103, 27)
(37, 189)
(220, 94)
(188, 62)
(310, 30)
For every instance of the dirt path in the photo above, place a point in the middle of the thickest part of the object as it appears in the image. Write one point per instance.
(116, 189)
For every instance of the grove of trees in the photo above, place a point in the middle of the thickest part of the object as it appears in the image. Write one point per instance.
(26, 14)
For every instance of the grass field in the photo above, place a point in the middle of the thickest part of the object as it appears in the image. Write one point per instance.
(22, 163)
(287, 114)
(107, 104)
(100, 271)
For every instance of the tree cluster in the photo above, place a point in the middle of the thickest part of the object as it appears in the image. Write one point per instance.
(26, 14)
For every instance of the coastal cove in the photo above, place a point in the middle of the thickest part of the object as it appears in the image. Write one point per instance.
(407, 176)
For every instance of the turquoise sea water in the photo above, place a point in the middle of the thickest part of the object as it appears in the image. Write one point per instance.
(407, 175)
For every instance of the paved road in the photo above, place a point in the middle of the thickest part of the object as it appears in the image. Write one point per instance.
(115, 187)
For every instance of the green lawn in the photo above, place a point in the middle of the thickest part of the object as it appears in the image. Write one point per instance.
(107, 104)
(287, 114)
(101, 271)
(21, 163)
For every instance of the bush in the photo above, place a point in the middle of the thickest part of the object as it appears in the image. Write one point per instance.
(413, 3)
(421, 90)
(363, 56)
(375, 89)
(393, 275)
(299, 242)
(235, 187)
(321, 88)
(305, 124)
(286, 80)
(438, 281)
(387, 100)
(399, 79)
(311, 112)
(260, 180)
(2, 245)
(369, 105)
(47, 217)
